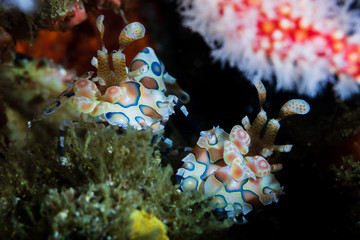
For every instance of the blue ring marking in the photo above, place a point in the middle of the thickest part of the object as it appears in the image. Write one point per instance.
(182, 183)
(158, 102)
(136, 102)
(137, 60)
(216, 142)
(141, 107)
(241, 190)
(157, 85)
(226, 203)
(109, 115)
(145, 50)
(203, 176)
(156, 68)
(138, 119)
(192, 168)
(263, 189)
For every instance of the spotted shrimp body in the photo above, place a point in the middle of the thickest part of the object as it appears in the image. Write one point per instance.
(234, 168)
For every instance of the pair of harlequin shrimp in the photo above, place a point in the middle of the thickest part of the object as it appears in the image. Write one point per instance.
(233, 168)
(124, 96)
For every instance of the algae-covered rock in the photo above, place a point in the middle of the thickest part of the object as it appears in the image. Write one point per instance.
(26, 87)
(103, 176)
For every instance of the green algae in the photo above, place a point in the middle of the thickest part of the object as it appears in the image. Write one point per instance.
(26, 87)
(105, 173)
(348, 174)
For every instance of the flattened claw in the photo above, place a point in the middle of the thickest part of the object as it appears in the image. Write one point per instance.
(294, 106)
(130, 33)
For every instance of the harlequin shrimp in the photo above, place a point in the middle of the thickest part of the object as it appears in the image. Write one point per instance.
(234, 168)
(120, 95)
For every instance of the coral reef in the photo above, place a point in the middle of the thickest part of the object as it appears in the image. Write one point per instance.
(107, 176)
(233, 168)
(304, 51)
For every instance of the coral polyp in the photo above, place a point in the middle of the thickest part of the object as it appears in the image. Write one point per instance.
(234, 168)
(120, 96)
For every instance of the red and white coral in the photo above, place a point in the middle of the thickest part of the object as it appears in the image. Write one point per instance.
(303, 43)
